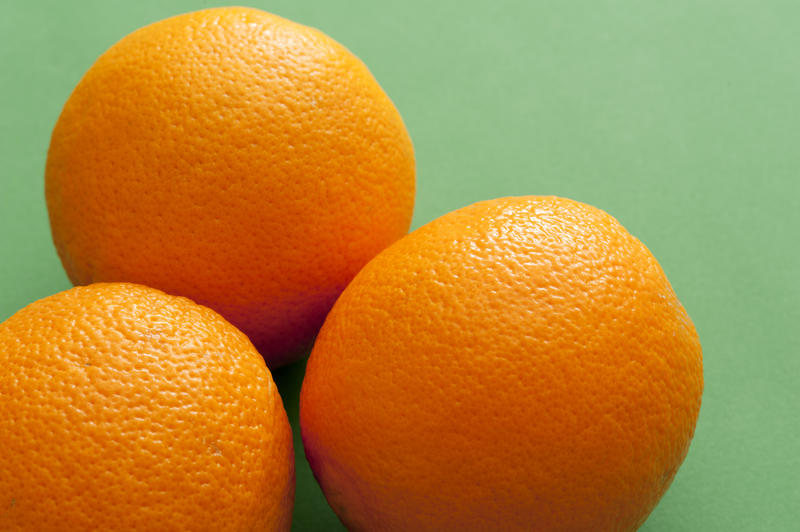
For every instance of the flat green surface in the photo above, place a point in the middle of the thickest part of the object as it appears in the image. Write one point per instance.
(681, 118)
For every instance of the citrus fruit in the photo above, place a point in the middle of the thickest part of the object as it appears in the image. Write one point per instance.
(233, 157)
(123, 408)
(518, 364)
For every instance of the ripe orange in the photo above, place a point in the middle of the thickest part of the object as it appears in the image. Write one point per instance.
(123, 408)
(234, 157)
(519, 364)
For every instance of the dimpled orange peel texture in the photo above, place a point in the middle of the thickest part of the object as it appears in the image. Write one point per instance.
(123, 408)
(234, 157)
(518, 364)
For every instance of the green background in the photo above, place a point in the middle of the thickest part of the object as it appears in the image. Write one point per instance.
(680, 118)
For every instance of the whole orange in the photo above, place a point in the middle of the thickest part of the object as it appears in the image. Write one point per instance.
(123, 408)
(234, 157)
(519, 364)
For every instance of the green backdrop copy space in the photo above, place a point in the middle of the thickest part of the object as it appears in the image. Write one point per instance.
(679, 118)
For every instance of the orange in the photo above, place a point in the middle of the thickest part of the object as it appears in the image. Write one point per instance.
(233, 157)
(123, 408)
(519, 364)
